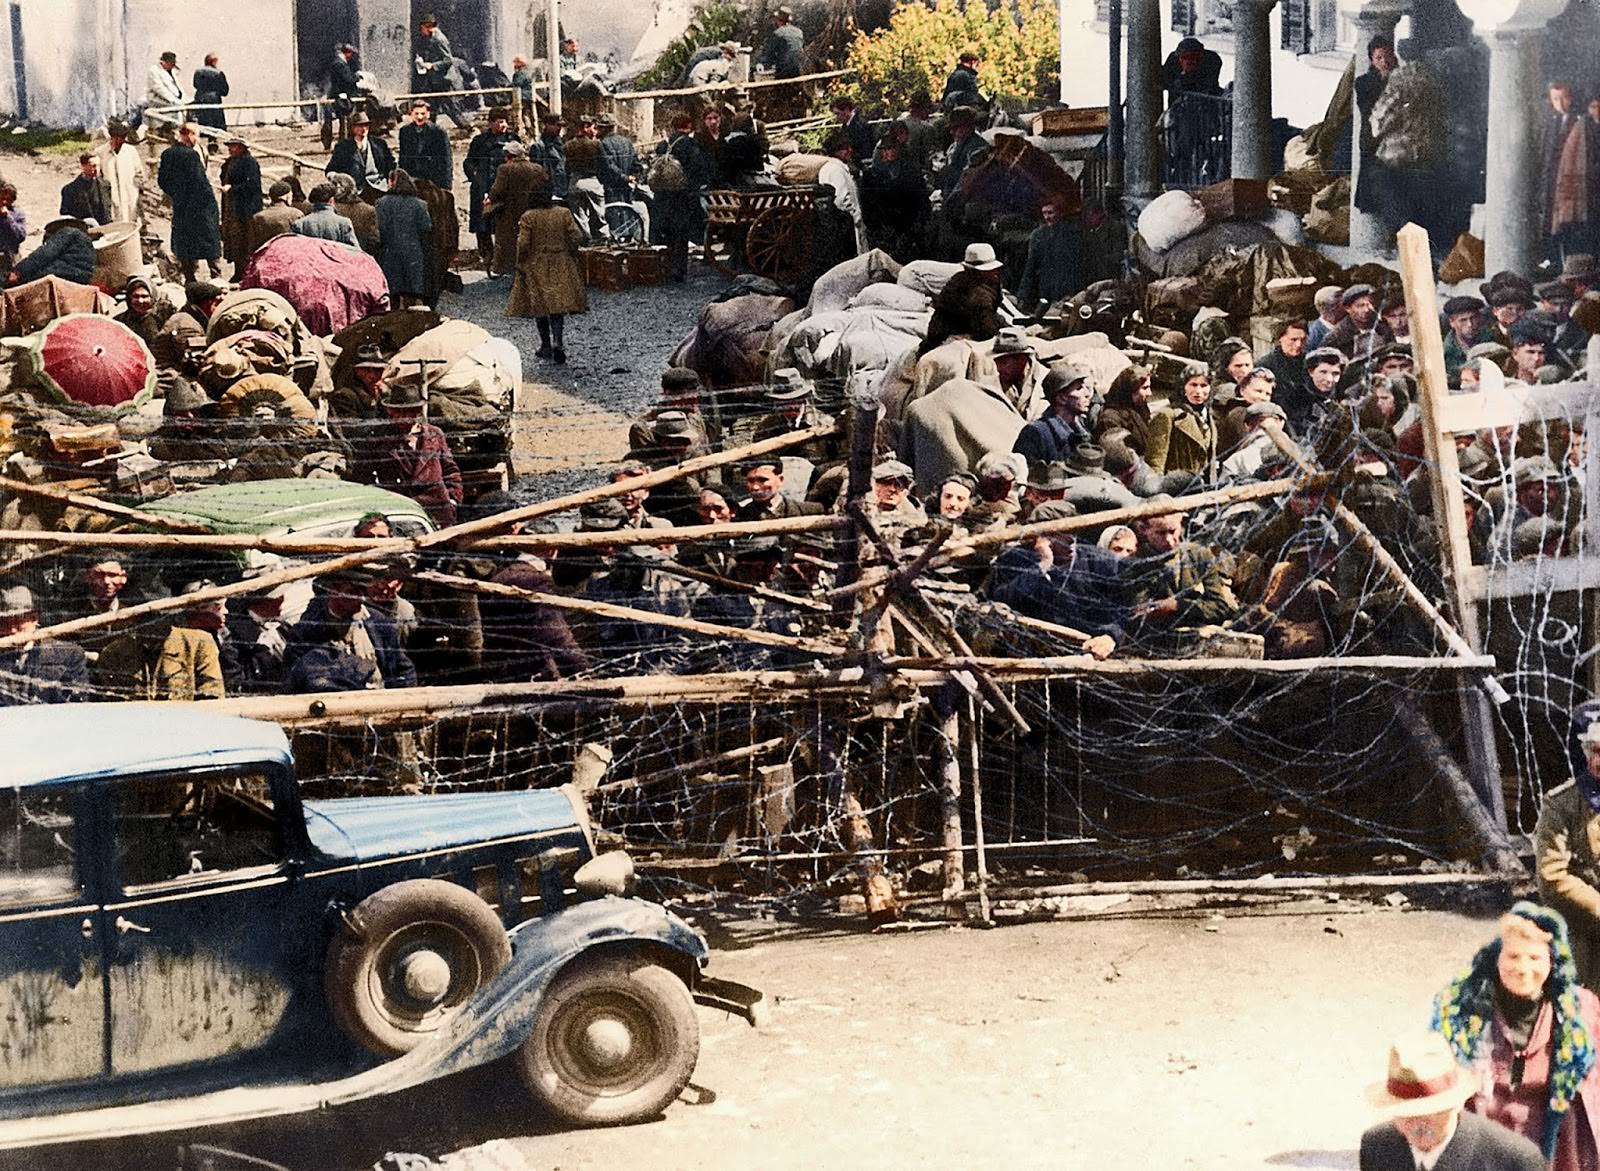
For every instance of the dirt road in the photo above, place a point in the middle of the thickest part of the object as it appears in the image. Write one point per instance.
(1218, 1044)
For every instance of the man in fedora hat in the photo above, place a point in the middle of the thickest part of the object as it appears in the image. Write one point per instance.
(616, 162)
(88, 196)
(1045, 481)
(484, 156)
(67, 252)
(794, 408)
(367, 160)
(241, 200)
(966, 144)
(162, 88)
(1580, 273)
(411, 456)
(968, 305)
(681, 389)
(1427, 1129)
(40, 671)
(425, 147)
(782, 51)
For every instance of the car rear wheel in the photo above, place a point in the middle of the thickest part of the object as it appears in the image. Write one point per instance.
(406, 960)
(616, 1041)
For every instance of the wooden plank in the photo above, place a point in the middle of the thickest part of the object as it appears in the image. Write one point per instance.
(1519, 579)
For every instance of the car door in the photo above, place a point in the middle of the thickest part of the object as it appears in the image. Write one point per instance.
(51, 973)
(196, 924)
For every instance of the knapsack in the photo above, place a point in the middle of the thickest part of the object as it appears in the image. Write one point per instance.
(666, 174)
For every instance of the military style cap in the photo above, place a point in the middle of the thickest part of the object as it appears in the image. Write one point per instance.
(402, 396)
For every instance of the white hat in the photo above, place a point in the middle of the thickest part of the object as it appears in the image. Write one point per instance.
(1424, 1078)
(980, 257)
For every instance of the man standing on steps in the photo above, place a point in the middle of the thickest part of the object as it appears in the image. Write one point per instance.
(343, 90)
(195, 229)
(436, 69)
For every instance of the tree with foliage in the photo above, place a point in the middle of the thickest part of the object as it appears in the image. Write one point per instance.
(1018, 43)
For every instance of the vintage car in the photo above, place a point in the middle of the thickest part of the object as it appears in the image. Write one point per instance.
(185, 941)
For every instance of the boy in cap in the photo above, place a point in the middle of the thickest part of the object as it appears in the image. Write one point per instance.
(40, 671)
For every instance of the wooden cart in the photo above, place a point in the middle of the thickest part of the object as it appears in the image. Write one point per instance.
(767, 232)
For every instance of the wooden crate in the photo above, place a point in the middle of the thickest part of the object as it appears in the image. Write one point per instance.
(604, 268)
(647, 265)
(1234, 199)
(1060, 123)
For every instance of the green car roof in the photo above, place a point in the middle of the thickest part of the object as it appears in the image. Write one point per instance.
(280, 507)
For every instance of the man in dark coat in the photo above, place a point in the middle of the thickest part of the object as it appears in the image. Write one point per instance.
(484, 156)
(680, 215)
(210, 88)
(781, 52)
(405, 227)
(523, 639)
(961, 87)
(367, 160)
(1287, 361)
(1058, 435)
(323, 222)
(45, 671)
(968, 305)
(1561, 114)
(1054, 268)
(853, 124)
(196, 234)
(436, 68)
(1423, 1095)
(551, 154)
(615, 162)
(1371, 189)
(1191, 69)
(1064, 580)
(966, 144)
(425, 147)
(241, 200)
(343, 644)
(894, 197)
(411, 456)
(88, 197)
(763, 479)
(67, 252)
(342, 88)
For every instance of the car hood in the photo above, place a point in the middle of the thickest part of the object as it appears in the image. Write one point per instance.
(361, 829)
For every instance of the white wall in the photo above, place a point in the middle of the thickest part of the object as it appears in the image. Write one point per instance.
(1301, 85)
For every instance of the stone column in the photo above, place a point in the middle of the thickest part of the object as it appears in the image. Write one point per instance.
(1367, 232)
(1252, 90)
(1143, 154)
(1512, 236)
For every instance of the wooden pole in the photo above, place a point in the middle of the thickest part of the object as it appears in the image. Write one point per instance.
(724, 583)
(1066, 667)
(91, 504)
(694, 768)
(300, 546)
(815, 646)
(955, 878)
(980, 839)
(1449, 510)
(1488, 834)
(652, 94)
(864, 411)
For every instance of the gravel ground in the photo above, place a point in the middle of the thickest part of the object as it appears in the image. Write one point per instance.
(1213, 1043)
(572, 420)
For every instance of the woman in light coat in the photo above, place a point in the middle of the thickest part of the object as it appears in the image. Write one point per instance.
(548, 283)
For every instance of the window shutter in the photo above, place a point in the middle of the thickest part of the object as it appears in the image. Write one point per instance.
(1296, 26)
(1325, 26)
(1102, 11)
(1183, 17)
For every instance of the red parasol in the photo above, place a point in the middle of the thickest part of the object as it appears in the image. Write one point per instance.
(328, 284)
(90, 360)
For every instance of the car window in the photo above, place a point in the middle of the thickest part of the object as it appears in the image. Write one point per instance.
(37, 860)
(177, 828)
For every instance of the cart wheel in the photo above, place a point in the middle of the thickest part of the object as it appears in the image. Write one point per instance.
(722, 252)
(778, 246)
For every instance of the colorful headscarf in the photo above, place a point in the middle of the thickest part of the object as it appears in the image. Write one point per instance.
(1463, 1012)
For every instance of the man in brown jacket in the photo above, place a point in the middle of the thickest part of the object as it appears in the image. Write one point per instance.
(508, 199)
(276, 218)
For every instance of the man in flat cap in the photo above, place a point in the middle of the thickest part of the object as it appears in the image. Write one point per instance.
(1061, 579)
(681, 390)
(241, 200)
(343, 89)
(39, 671)
(1175, 585)
(1362, 330)
(276, 218)
(1464, 316)
(484, 156)
(1553, 310)
(124, 169)
(1508, 304)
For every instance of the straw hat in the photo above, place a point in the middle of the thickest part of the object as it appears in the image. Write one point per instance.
(1423, 1078)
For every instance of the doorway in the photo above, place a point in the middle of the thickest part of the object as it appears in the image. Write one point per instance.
(464, 22)
(319, 26)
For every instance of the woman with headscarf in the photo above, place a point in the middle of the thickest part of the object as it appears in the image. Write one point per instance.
(144, 314)
(1128, 406)
(1183, 438)
(406, 230)
(1230, 362)
(548, 283)
(1520, 1019)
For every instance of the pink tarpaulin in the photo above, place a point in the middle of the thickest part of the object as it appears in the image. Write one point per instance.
(329, 285)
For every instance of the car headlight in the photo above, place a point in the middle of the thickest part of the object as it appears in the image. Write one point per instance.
(605, 874)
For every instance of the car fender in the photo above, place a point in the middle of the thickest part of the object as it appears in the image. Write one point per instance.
(500, 1017)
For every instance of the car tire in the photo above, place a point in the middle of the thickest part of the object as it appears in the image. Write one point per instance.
(406, 960)
(615, 1041)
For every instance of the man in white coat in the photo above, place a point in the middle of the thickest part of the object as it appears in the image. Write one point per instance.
(125, 171)
(162, 88)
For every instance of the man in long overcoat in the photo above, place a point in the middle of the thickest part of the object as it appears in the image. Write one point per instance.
(507, 200)
(406, 229)
(195, 229)
(425, 147)
(210, 88)
(124, 170)
(241, 200)
(484, 155)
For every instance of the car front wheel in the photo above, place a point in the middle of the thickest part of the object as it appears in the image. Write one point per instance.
(616, 1041)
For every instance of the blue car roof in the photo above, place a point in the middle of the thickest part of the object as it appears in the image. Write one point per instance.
(58, 743)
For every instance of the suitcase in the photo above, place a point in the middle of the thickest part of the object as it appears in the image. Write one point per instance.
(646, 266)
(1234, 199)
